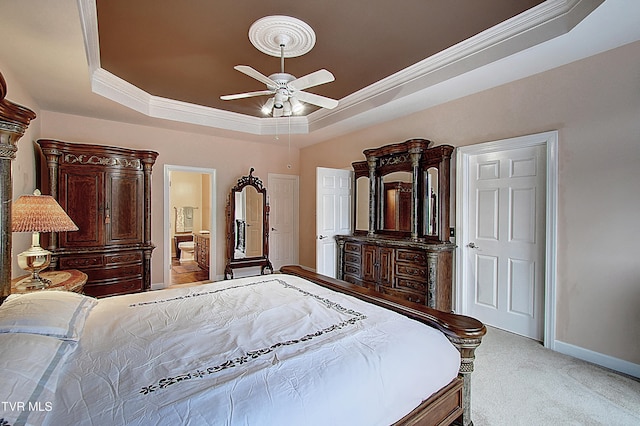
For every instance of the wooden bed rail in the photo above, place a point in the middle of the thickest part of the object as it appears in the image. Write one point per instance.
(464, 332)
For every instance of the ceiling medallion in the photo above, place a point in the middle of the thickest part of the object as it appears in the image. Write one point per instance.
(269, 33)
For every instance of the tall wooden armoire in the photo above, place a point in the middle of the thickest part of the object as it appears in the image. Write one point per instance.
(107, 192)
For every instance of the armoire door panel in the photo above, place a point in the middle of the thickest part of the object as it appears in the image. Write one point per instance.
(123, 209)
(385, 262)
(369, 263)
(81, 196)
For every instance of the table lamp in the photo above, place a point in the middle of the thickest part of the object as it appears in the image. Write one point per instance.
(37, 213)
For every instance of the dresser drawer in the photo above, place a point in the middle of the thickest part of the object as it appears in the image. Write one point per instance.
(114, 272)
(133, 285)
(411, 256)
(406, 295)
(352, 258)
(81, 262)
(412, 285)
(352, 268)
(411, 271)
(352, 248)
(353, 279)
(126, 257)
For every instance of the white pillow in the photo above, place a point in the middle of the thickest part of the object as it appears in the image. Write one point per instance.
(60, 314)
(29, 369)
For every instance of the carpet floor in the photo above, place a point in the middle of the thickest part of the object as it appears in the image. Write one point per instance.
(517, 381)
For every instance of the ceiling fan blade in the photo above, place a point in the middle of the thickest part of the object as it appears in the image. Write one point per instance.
(245, 69)
(246, 95)
(312, 98)
(314, 79)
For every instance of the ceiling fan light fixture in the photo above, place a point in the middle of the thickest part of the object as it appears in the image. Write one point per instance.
(280, 98)
(296, 106)
(287, 108)
(268, 106)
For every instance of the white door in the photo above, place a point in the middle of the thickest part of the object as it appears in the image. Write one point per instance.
(333, 215)
(505, 239)
(283, 220)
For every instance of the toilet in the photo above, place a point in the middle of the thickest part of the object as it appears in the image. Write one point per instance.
(186, 251)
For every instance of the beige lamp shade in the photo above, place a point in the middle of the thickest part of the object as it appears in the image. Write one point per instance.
(39, 213)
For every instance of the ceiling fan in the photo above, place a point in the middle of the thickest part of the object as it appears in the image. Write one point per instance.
(272, 35)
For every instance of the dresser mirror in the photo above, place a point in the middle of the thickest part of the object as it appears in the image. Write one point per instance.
(247, 226)
(361, 207)
(430, 201)
(396, 202)
(398, 171)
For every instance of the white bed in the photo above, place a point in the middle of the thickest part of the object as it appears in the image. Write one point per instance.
(273, 349)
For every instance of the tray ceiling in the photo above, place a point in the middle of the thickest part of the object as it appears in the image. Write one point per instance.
(186, 51)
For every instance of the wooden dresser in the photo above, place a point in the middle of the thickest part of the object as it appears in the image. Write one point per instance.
(403, 249)
(107, 193)
(201, 250)
(413, 270)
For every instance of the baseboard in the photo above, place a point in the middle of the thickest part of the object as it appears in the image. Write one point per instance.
(603, 360)
(158, 286)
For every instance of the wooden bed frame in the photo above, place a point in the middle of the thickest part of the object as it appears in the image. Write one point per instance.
(452, 404)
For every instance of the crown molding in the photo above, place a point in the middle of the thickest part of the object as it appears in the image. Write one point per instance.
(537, 25)
(534, 26)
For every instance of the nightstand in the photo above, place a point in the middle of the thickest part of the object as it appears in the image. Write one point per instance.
(66, 280)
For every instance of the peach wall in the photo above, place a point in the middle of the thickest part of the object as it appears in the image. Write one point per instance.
(595, 105)
(230, 158)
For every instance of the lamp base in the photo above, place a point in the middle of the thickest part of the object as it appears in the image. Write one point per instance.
(34, 260)
(34, 282)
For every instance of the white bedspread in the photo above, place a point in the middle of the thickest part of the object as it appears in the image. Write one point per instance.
(274, 350)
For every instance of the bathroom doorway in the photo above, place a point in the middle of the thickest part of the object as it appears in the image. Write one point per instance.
(189, 240)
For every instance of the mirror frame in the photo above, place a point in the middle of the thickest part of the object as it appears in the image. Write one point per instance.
(439, 157)
(262, 261)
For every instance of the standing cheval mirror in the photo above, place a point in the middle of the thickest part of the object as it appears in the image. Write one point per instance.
(247, 226)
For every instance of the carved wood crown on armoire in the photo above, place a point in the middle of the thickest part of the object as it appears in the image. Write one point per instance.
(107, 192)
(401, 245)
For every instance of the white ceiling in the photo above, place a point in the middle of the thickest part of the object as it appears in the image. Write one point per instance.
(51, 47)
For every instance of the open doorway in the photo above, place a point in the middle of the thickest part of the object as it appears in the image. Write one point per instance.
(189, 239)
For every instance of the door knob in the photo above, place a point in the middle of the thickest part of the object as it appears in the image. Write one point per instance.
(472, 245)
(321, 237)
(274, 229)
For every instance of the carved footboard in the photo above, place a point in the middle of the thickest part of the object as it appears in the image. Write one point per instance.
(452, 403)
